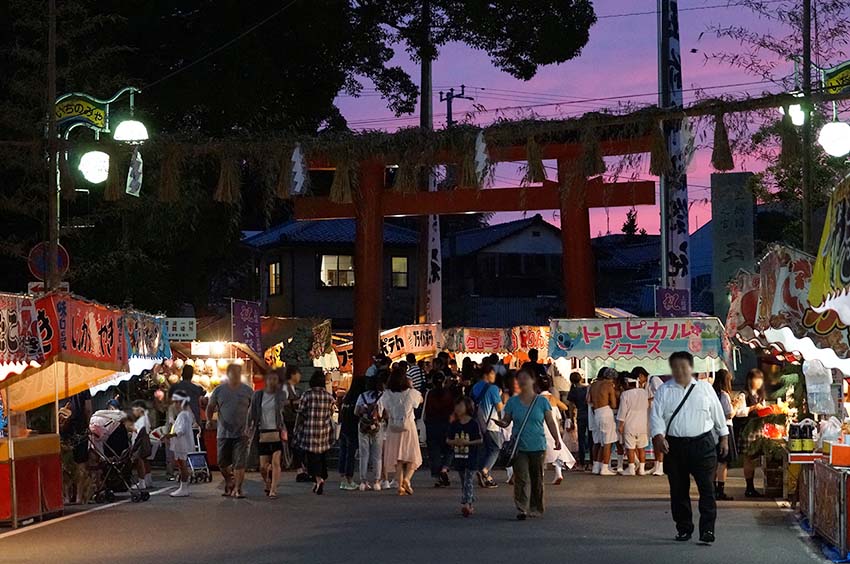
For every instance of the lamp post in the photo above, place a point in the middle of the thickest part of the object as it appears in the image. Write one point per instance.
(77, 109)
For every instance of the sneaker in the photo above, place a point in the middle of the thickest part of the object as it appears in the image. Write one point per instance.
(302, 477)
(364, 486)
(343, 486)
(181, 491)
(723, 497)
(392, 485)
(351, 486)
(385, 485)
(606, 471)
(753, 493)
(376, 487)
(444, 479)
(630, 471)
(657, 472)
(707, 537)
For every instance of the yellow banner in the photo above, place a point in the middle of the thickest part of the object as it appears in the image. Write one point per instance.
(832, 267)
(837, 79)
(81, 110)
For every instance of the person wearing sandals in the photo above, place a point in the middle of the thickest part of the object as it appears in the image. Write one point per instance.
(401, 448)
(232, 400)
(314, 429)
(266, 419)
(529, 413)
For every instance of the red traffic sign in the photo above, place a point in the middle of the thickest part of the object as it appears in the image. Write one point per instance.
(38, 260)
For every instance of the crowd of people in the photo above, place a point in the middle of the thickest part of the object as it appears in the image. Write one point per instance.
(471, 419)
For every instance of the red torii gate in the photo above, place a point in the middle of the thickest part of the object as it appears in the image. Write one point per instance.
(372, 203)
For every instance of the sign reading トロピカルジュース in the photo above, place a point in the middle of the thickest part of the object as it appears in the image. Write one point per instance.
(639, 338)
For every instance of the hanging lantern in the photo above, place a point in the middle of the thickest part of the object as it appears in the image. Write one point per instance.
(834, 137)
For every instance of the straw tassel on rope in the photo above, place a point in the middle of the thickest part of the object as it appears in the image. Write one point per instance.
(341, 185)
(791, 145)
(114, 188)
(721, 153)
(535, 172)
(592, 162)
(283, 187)
(228, 190)
(659, 157)
(169, 174)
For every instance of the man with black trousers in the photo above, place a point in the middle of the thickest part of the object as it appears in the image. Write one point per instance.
(685, 422)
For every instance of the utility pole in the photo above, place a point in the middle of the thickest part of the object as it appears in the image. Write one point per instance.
(52, 153)
(449, 97)
(808, 240)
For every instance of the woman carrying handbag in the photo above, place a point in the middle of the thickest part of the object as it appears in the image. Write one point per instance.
(528, 443)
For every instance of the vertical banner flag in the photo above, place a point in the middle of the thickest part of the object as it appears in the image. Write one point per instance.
(675, 184)
(245, 323)
(435, 274)
(134, 175)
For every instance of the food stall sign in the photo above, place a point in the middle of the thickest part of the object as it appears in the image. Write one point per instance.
(182, 328)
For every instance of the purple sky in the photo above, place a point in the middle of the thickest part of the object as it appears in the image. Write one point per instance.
(619, 60)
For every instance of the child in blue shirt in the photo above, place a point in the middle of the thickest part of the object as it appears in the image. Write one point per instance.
(464, 437)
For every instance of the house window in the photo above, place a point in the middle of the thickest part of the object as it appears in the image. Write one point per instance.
(399, 272)
(337, 271)
(274, 278)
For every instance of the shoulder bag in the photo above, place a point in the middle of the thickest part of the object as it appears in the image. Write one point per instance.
(507, 453)
(678, 408)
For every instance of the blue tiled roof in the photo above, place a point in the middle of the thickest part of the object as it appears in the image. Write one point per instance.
(333, 231)
(473, 240)
(622, 251)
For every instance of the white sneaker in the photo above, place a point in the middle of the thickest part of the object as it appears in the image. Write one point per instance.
(630, 471)
(148, 480)
(659, 469)
(181, 491)
(605, 471)
(377, 486)
(385, 485)
(363, 486)
(597, 467)
(392, 485)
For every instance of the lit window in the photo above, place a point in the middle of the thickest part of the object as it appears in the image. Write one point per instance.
(274, 278)
(337, 270)
(399, 272)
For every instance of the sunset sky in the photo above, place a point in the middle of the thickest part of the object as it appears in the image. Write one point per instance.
(619, 60)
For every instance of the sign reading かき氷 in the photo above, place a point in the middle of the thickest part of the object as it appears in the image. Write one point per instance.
(80, 109)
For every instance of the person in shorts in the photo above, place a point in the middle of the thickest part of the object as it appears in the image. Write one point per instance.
(269, 430)
(181, 441)
(633, 421)
(232, 401)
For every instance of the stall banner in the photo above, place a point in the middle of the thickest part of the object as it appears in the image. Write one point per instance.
(837, 79)
(527, 337)
(272, 356)
(637, 338)
(783, 298)
(486, 340)
(321, 339)
(416, 339)
(345, 356)
(145, 336)
(20, 341)
(182, 328)
(89, 332)
(831, 273)
(245, 323)
(670, 302)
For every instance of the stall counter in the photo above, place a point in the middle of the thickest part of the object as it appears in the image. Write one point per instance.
(30, 478)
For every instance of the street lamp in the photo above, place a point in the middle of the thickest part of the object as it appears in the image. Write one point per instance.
(131, 131)
(95, 166)
(834, 137)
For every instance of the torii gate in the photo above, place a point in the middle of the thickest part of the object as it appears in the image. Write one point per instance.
(372, 203)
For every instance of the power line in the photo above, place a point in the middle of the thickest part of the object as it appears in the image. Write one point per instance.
(690, 9)
(223, 46)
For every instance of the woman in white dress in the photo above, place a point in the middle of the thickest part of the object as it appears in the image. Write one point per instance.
(401, 449)
(561, 458)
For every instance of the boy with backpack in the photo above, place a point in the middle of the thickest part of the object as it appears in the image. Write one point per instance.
(369, 431)
(488, 404)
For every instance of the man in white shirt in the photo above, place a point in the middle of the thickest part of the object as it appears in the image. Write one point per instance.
(686, 416)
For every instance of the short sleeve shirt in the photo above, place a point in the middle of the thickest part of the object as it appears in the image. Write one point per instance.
(233, 406)
(487, 396)
(533, 437)
(634, 411)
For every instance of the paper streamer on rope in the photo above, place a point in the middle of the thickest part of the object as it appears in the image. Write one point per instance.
(482, 159)
(300, 172)
(134, 175)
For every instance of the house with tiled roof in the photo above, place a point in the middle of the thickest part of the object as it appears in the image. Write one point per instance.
(306, 269)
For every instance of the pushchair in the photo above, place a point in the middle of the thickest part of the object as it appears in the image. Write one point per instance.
(110, 449)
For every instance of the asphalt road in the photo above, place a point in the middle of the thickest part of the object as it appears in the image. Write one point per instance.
(588, 519)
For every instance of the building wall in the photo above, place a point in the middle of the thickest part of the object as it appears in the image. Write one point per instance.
(301, 294)
(536, 239)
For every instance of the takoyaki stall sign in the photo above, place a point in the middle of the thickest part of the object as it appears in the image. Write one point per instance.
(636, 337)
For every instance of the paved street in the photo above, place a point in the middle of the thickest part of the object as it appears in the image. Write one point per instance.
(589, 519)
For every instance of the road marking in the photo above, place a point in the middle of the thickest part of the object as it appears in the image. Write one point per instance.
(35, 526)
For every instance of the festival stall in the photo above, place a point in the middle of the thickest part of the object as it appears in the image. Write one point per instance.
(55, 347)
(421, 340)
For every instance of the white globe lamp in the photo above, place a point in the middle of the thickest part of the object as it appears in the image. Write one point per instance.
(834, 137)
(95, 166)
(131, 131)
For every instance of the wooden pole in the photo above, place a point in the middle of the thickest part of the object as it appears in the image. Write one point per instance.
(577, 265)
(368, 265)
(808, 239)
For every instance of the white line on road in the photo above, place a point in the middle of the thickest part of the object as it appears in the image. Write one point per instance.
(72, 515)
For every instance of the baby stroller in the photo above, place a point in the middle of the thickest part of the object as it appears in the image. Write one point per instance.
(110, 448)
(199, 470)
